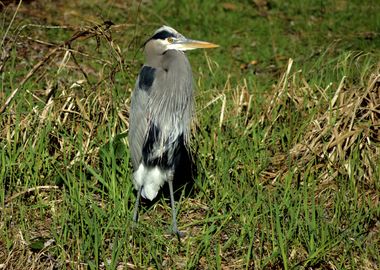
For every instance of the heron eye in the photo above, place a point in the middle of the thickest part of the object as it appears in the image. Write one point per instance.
(170, 40)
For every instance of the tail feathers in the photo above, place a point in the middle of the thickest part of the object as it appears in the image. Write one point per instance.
(151, 179)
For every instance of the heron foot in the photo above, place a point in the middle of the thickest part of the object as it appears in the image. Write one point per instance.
(135, 224)
(178, 233)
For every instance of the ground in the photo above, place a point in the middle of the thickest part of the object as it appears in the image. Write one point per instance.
(285, 139)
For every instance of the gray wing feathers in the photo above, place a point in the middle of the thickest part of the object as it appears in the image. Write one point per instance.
(168, 105)
(172, 108)
(138, 124)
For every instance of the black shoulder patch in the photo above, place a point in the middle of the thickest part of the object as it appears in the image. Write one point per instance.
(162, 35)
(146, 78)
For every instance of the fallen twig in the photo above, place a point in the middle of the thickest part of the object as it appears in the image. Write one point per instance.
(94, 31)
(29, 190)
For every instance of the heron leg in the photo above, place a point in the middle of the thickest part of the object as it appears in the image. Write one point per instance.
(137, 203)
(174, 212)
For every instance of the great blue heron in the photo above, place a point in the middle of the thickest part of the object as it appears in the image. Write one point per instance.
(162, 107)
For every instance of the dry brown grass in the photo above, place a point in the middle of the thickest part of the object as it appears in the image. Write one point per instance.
(64, 99)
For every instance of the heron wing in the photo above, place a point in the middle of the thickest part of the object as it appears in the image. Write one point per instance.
(161, 111)
(138, 124)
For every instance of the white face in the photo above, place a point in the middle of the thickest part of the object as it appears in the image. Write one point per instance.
(158, 44)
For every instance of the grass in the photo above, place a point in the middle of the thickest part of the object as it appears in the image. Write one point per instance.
(286, 138)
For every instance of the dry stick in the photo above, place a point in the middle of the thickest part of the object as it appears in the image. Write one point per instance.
(86, 34)
(26, 78)
(48, 44)
(29, 190)
(80, 68)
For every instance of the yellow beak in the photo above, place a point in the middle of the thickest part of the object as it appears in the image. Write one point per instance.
(190, 44)
(197, 44)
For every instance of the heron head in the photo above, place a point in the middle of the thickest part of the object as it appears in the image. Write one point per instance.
(166, 38)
